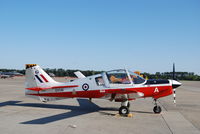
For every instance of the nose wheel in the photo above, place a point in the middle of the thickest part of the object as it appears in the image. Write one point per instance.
(157, 109)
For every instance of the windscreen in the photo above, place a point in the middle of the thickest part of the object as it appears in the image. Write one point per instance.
(136, 78)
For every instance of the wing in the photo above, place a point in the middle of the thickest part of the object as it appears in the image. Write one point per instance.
(124, 95)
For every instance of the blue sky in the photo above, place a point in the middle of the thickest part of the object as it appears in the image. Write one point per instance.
(101, 34)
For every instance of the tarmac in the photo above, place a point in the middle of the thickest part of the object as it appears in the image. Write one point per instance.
(22, 115)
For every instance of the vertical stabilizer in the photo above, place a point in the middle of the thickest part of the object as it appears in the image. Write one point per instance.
(37, 77)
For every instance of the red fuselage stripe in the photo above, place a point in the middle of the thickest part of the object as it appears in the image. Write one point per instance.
(39, 88)
(147, 91)
(44, 78)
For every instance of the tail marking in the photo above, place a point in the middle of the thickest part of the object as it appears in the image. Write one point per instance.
(44, 78)
(39, 78)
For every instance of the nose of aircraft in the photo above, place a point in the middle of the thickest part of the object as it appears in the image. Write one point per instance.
(175, 84)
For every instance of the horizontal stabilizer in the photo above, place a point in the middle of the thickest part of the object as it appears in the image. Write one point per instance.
(79, 74)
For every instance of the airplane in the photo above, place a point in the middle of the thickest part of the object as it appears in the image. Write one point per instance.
(119, 85)
(5, 75)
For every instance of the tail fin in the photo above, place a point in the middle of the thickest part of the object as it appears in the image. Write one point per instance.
(37, 77)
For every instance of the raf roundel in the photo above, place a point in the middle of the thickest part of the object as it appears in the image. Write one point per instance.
(36, 72)
(85, 87)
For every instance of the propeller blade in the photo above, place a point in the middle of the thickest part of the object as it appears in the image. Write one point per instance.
(173, 74)
(174, 95)
(173, 77)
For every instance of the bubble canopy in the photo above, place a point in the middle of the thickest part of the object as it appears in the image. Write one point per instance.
(123, 76)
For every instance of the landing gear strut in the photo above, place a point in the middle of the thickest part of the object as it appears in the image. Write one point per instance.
(157, 109)
(128, 105)
(124, 109)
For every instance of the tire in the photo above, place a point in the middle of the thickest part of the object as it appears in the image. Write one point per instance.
(123, 110)
(157, 109)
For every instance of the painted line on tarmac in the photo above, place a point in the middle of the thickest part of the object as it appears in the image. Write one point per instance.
(177, 124)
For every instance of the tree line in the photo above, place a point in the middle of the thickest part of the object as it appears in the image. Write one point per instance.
(178, 76)
(70, 72)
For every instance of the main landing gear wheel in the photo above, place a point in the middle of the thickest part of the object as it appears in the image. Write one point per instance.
(157, 109)
(123, 110)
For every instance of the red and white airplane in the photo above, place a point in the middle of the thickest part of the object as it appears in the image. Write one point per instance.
(116, 85)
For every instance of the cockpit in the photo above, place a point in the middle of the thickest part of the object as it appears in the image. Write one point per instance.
(120, 76)
(123, 76)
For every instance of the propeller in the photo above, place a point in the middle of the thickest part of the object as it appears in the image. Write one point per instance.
(174, 89)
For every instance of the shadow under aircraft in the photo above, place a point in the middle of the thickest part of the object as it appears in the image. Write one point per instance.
(85, 107)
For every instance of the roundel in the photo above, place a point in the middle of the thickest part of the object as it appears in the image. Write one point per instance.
(36, 72)
(85, 87)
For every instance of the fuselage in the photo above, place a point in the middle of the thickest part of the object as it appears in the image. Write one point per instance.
(99, 86)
